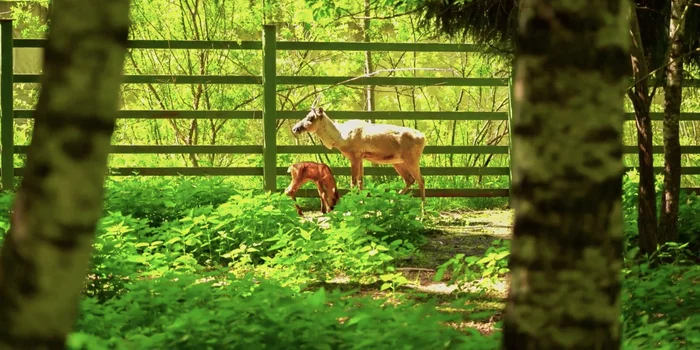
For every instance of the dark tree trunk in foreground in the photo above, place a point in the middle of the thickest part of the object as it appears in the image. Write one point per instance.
(45, 255)
(641, 99)
(673, 94)
(571, 60)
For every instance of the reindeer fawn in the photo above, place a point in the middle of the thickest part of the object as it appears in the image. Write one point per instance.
(399, 146)
(321, 175)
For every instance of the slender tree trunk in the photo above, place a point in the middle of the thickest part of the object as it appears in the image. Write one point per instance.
(641, 99)
(45, 255)
(369, 65)
(668, 225)
(567, 176)
(369, 68)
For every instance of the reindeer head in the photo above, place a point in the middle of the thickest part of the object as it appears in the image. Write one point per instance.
(311, 122)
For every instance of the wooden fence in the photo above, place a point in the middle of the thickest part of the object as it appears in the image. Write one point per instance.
(269, 114)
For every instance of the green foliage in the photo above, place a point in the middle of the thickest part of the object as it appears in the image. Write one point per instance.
(480, 271)
(159, 236)
(688, 219)
(364, 235)
(245, 313)
(244, 220)
(345, 251)
(660, 306)
(247, 232)
(382, 211)
(243, 272)
(161, 199)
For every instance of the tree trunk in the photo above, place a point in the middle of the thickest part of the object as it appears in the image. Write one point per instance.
(567, 176)
(641, 99)
(46, 252)
(668, 225)
(369, 68)
(369, 65)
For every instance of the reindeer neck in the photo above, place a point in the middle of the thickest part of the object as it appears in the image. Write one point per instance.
(329, 134)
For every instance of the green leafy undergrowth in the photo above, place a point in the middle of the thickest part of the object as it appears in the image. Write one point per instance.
(660, 305)
(688, 218)
(163, 199)
(382, 212)
(479, 271)
(175, 312)
(253, 232)
(321, 255)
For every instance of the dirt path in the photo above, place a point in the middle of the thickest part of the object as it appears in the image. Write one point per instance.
(451, 233)
(467, 232)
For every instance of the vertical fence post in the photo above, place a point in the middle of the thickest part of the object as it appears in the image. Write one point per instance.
(7, 124)
(511, 104)
(269, 108)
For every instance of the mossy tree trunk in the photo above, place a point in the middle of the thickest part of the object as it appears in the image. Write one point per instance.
(45, 255)
(673, 94)
(571, 75)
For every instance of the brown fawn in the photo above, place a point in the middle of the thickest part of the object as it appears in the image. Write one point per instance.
(321, 175)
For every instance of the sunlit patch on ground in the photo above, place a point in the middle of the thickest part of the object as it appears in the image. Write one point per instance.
(450, 233)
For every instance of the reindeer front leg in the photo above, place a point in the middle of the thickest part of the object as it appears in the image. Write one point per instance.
(361, 174)
(356, 172)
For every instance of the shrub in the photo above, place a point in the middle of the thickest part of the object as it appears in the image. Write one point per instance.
(381, 211)
(163, 199)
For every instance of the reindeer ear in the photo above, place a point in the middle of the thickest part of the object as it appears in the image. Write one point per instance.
(320, 110)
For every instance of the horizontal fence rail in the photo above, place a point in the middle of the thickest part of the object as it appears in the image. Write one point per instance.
(340, 115)
(269, 80)
(343, 171)
(310, 149)
(290, 80)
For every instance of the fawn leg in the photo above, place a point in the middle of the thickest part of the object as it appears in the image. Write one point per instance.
(290, 191)
(322, 197)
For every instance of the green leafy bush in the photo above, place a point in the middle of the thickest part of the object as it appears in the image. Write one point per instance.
(381, 211)
(212, 234)
(163, 199)
(318, 254)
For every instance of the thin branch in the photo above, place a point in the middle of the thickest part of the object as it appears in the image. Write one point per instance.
(663, 67)
(384, 71)
(390, 17)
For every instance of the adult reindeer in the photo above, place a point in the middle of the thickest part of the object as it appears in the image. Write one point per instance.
(399, 146)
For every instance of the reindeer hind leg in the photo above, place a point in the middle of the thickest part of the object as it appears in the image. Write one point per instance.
(405, 175)
(414, 170)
